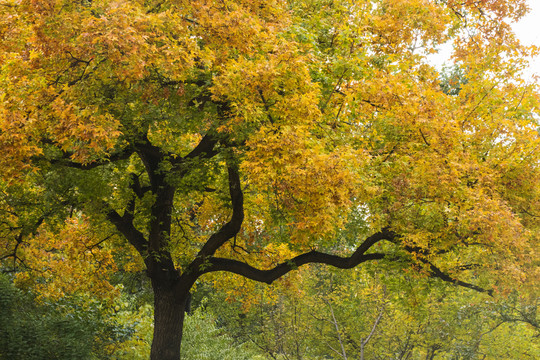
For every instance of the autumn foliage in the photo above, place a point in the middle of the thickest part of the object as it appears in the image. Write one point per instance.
(254, 137)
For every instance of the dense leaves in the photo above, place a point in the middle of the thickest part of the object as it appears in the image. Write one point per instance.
(184, 138)
(381, 314)
(30, 331)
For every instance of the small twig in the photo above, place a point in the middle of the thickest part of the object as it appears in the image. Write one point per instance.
(424, 137)
(334, 90)
(266, 107)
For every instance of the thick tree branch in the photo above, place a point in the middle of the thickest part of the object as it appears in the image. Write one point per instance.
(231, 228)
(155, 249)
(124, 224)
(205, 149)
(213, 264)
(268, 276)
(227, 231)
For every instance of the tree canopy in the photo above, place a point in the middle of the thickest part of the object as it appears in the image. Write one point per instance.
(253, 137)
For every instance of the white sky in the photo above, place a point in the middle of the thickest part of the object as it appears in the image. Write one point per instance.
(528, 31)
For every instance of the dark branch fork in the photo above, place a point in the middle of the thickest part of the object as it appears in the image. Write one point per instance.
(159, 260)
(437, 273)
(205, 261)
(225, 233)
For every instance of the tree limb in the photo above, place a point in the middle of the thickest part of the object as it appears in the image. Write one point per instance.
(205, 149)
(436, 272)
(124, 224)
(213, 264)
(231, 228)
(268, 276)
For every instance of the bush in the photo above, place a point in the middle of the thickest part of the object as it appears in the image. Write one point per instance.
(32, 332)
(203, 340)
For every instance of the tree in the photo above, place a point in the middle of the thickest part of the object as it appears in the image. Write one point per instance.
(247, 137)
(327, 313)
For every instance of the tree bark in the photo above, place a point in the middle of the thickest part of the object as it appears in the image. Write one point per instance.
(169, 314)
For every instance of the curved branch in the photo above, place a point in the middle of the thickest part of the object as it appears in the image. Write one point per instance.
(269, 276)
(213, 264)
(227, 231)
(438, 273)
(231, 228)
(205, 148)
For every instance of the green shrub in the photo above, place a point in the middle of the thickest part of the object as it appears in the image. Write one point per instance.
(33, 332)
(203, 340)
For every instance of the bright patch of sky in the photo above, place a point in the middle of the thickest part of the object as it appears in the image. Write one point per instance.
(527, 30)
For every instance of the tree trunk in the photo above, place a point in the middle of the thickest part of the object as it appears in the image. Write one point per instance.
(169, 309)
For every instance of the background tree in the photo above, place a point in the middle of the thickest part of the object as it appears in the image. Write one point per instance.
(246, 137)
(326, 313)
